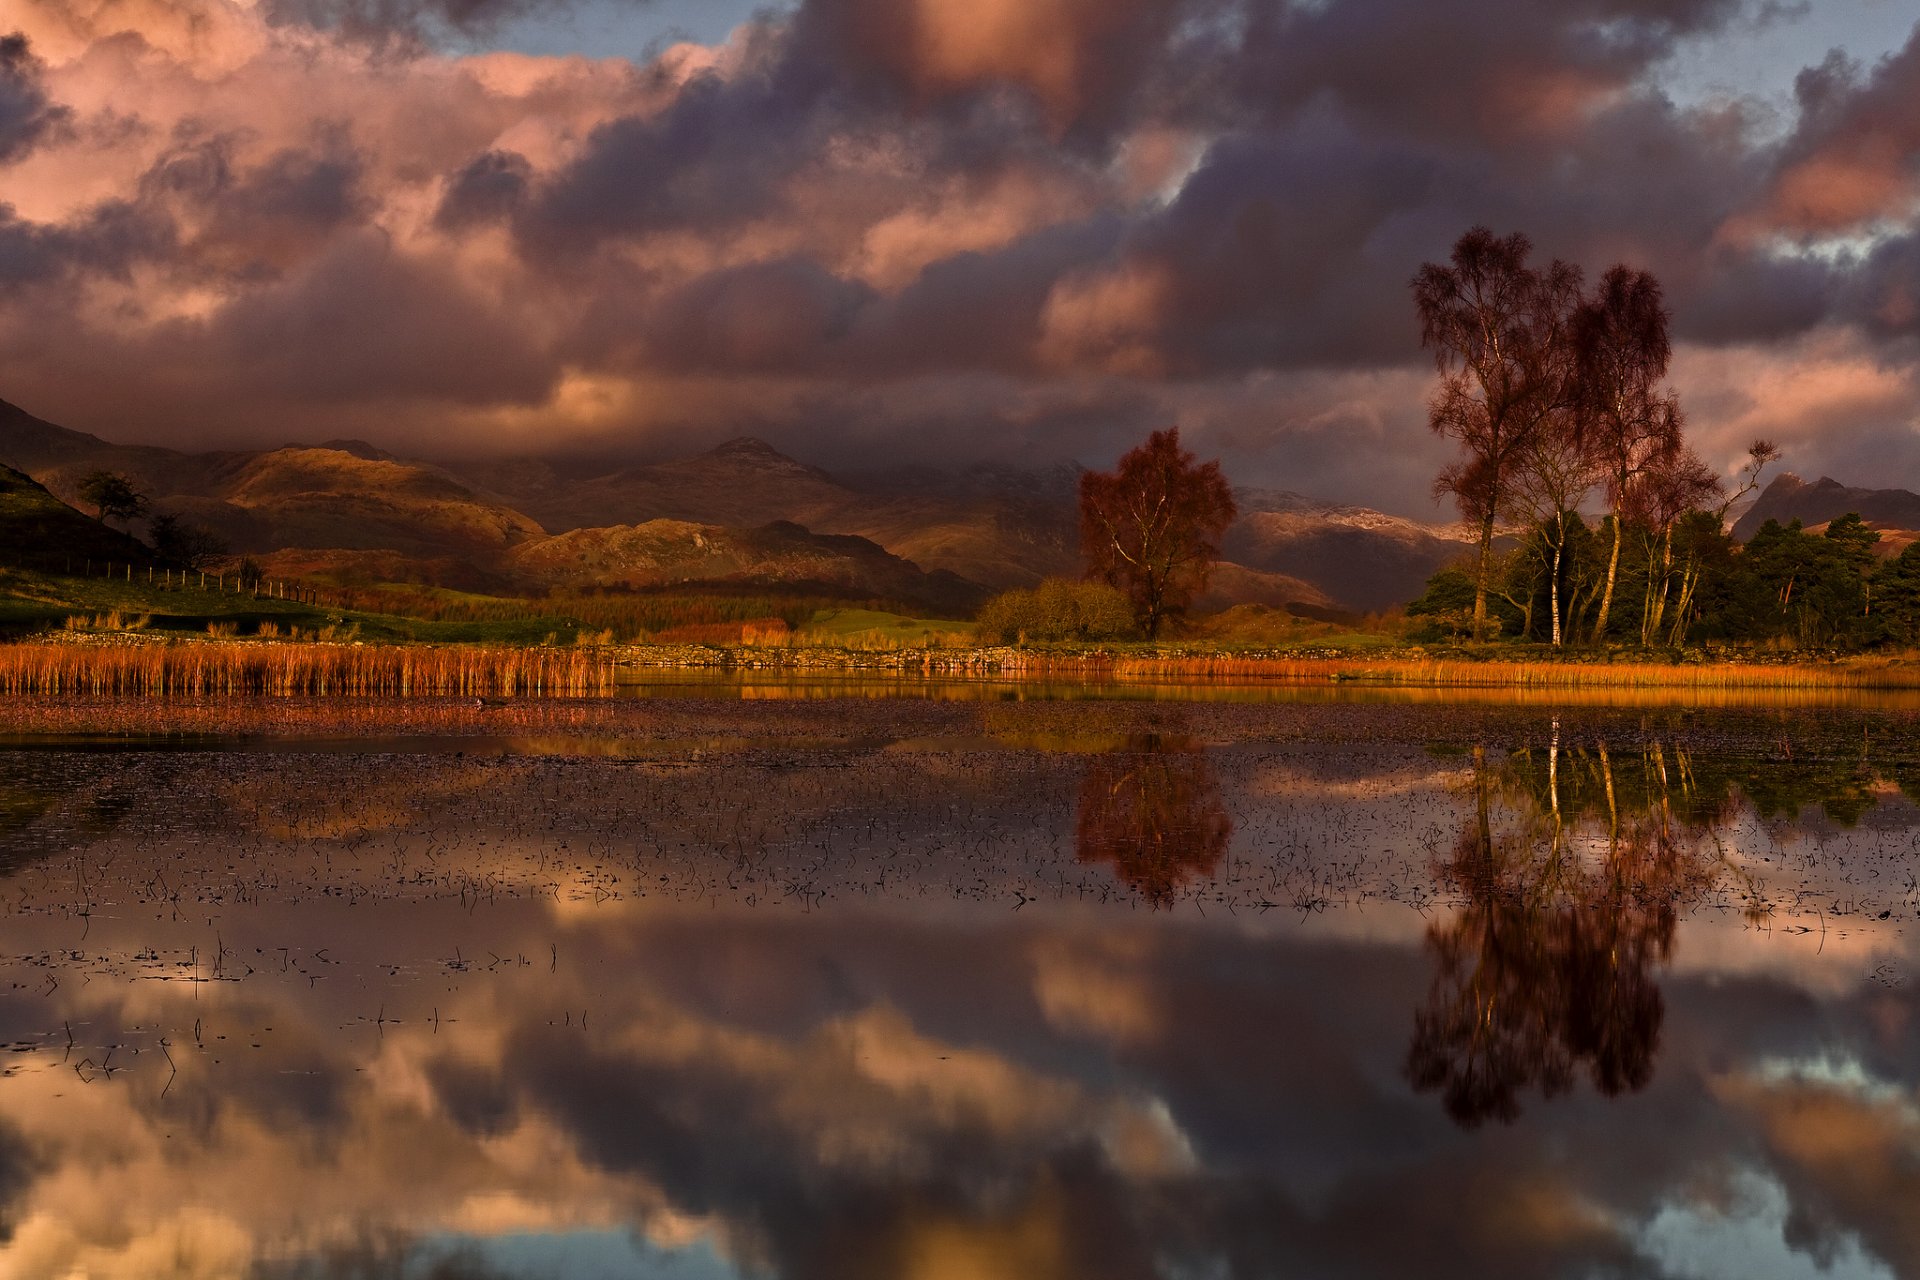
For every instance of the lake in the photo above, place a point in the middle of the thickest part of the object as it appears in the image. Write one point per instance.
(742, 978)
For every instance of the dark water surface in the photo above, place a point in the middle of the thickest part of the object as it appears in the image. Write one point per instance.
(951, 987)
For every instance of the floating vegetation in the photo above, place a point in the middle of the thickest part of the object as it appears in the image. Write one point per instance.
(289, 670)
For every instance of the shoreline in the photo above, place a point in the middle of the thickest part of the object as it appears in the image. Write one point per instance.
(148, 665)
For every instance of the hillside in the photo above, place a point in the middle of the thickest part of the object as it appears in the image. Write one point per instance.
(1362, 559)
(329, 497)
(350, 511)
(60, 458)
(669, 552)
(742, 483)
(40, 532)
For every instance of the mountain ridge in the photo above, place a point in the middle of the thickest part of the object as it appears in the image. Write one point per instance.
(529, 522)
(1790, 498)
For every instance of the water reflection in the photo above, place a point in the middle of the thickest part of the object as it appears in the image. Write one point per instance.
(1573, 873)
(756, 1009)
(1152, 810)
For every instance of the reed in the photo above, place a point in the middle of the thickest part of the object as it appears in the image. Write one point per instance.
(290, 670)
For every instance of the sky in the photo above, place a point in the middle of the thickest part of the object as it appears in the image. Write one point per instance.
(881, 232)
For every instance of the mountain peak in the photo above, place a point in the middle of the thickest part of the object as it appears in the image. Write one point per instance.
(359, 449)
(746, 447)
(1790, 498)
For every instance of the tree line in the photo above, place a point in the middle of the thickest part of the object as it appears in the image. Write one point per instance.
(1556, 396)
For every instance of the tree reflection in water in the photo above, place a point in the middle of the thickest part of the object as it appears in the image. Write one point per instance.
(1574, 865)
(1152, 809)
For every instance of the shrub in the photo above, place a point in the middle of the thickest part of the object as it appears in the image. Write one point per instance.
(1057, 609)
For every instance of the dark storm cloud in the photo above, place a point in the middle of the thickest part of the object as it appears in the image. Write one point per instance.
(1886, 288)
(718, 155)
(767, 315)
(27, 114)
(957, 211)
(1466, 69)
(365, 322)
(105, 242)
(1854, 156)
(408, 22)
(487, 190)
(1291, 244)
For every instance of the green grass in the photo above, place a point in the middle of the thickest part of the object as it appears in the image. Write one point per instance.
(39, 602)
(31, 602)
(839, 625)
(1354, 642)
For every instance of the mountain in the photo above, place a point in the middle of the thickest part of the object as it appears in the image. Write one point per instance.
(992, 527)
(742, 511)
(60, 458)
(1363, 559)
(1233, 584)
(1790, 498)
(744, 482)
(676, 551)
(329, 497)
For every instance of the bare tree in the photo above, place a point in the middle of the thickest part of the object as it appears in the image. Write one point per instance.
(1153, 526)
(1630, 422)
(1761, 454)
(1495, 326)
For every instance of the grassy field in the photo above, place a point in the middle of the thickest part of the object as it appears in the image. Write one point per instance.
(33, 602)
(99, 621)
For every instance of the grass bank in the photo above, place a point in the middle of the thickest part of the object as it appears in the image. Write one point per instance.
(1362, 664)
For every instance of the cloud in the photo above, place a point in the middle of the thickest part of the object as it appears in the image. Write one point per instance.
(26, 113)
(410, 24)
(486, 190)
(852, 219)
(1851, 162)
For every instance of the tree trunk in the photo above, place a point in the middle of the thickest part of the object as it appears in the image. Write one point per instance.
(1606, 597)
(1483, 578)
(1558, 547)
(1689, 583)
(1666, 582)
(1613, 809)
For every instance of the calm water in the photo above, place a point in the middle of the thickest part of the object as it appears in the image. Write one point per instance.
(954, 987)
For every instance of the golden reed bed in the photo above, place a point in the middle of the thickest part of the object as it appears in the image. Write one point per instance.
(287, 670)
(328, 669)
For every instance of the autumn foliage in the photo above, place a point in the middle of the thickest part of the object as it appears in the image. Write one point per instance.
(1154, 813)
(1152, 527)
